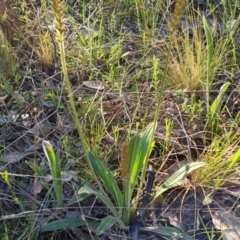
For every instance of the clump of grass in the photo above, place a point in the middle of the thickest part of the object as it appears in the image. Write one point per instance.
(147, 15)
(222, 158)
(188, 62)
(45, 49)
(195, 61)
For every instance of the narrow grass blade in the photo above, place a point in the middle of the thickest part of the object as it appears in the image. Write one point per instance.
(107, 222)
(235, 160)
(215, 108)
(40, 175)
(88, 190)
(54, 163)
(217, 103)
(108, 179)
(176, 178)
(210, 52)
(78, 198)
(39, 172)
(169, 232)
(209, 38)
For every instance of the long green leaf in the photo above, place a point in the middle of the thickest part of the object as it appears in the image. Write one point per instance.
(107, 222)
(88, 190)
(176, 177)
(147, 144)
(66, 223)
(108, 179)
(139, 150)
(169, 232)
(55, 167)
(135, 157)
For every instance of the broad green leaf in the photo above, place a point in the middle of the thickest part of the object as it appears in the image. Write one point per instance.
(108, 179)
(139, 150)
(135, 157)
(87, 189)
(176, 177)
(107, 222)
(55, 167)
(146, 138)
(147, 145)
(169, 232)
(66, 223)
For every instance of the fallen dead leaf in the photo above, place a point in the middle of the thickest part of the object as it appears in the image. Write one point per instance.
(93, 85)
(228, 224)
(14, 157)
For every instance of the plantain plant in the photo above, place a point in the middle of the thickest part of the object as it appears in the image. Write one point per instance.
(134, 162)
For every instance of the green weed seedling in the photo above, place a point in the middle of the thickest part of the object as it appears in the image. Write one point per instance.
(55, 167)
(168, 130)
(194, 107)
(54, 164)
(5, 176)
(222, 158)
